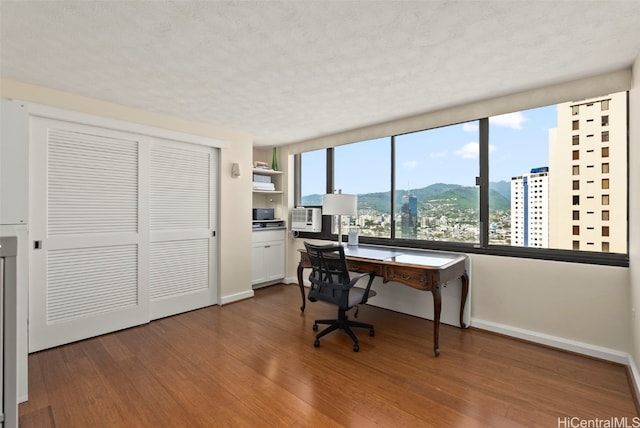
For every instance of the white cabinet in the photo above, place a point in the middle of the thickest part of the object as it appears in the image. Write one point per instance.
(268, 235)
(268, 256)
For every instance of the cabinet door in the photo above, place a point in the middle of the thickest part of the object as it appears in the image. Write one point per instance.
(274, 260)
(259, 271)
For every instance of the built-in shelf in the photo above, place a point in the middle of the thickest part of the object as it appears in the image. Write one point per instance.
(269, 236)
(266, 171)
(277, 182)
(269, 224)
(267, 191)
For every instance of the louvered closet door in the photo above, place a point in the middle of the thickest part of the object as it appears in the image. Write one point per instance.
(87, 260)
(181, 252)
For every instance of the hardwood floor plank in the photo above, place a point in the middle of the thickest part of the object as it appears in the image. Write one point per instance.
(234, 375)
(77, 391)
(41, 418)
(189, 386)
(253, 363)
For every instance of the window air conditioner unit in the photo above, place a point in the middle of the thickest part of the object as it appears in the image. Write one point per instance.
(306, 219)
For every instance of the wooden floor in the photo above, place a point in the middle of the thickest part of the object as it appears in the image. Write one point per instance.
(253, 364)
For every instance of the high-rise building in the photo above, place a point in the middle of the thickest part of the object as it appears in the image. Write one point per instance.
(530, 209)
(588, 160)
(409, 216)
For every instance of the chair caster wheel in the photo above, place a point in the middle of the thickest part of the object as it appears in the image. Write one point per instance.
(316, 343)
(356, 347)
(372, 333)
(315, 327)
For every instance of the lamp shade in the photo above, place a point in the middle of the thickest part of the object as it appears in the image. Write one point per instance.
(339, 204)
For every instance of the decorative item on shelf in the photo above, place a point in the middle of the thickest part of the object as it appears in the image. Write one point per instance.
(340, 204)
(263, 182)
(274, 160)
(261, 165)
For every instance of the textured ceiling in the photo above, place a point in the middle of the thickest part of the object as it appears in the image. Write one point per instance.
(289, 71)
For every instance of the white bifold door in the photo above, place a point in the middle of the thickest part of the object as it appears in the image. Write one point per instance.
(122, 230)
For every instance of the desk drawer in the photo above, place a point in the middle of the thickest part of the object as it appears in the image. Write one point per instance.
(416, 278)
(361, 267)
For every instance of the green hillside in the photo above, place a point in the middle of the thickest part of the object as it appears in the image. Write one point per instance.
(464, 197)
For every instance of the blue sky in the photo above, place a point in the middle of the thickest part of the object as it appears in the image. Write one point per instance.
(517, 142)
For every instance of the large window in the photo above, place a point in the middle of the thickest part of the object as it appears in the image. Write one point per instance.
(519, 168)
(313, 173)
(364, 169)
(529, 183)
(436, 198)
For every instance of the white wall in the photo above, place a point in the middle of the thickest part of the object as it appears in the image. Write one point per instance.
(577, 302)
(235, 193)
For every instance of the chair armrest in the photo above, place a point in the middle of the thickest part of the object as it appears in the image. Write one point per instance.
(357, 278)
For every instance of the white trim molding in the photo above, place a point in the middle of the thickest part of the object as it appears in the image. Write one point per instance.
(40, 110)
(554, 341)
(230, 298)
(292, 280)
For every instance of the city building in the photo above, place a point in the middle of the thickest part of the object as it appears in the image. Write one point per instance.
(409, 216)
(530, 209)
(588, 158)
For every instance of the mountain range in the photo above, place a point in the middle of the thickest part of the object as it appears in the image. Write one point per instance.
(464, 197)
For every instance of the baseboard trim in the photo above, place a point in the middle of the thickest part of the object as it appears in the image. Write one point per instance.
(634, 375)
(236, 297)
(555, 342)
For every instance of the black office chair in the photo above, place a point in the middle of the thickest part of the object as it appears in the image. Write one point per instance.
(330, 282)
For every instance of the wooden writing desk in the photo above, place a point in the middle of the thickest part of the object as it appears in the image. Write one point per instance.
(422, 270)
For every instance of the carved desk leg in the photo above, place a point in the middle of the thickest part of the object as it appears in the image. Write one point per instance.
(437, 306)
(301, 284)
(463, 297)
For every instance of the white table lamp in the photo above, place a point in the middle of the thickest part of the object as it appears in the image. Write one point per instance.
(340, 204)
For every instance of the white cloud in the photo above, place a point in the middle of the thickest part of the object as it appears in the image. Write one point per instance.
(509, 120)
(470, 127)
(438, 154)
(410, 164)
(469, 151)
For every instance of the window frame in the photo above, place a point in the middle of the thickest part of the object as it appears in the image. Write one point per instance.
(482, 181)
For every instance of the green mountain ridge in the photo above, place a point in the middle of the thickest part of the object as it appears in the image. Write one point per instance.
(464, 197)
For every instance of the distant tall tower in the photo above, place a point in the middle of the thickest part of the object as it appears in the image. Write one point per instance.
(409, 216)
(530, 209)
(588, 158)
